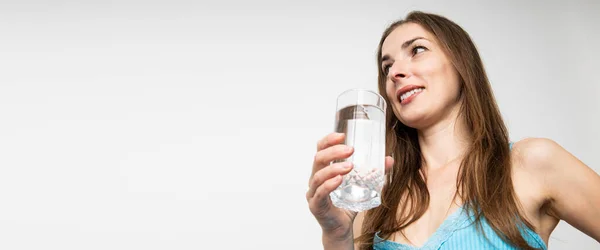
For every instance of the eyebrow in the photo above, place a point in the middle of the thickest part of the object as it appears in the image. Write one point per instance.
(404, 46)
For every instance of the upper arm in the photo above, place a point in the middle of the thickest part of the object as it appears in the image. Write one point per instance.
(357, 226)
(571, 187)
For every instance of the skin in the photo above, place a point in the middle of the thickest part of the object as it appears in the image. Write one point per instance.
(547, 179)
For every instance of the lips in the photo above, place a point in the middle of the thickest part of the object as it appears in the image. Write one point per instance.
(406, 89)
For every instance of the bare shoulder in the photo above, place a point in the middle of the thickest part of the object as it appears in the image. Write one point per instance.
(536, 153)
(530, 171)
(540, 158)
(567, 185)
(536, 159)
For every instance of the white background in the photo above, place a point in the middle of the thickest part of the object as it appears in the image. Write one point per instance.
(193, 125)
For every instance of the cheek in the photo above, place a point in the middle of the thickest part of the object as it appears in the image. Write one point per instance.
(430, 69)
(440, 76)
(389, 90)
(391, 94)
(450, 77)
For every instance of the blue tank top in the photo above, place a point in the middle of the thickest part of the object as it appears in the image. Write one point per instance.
(458, 231)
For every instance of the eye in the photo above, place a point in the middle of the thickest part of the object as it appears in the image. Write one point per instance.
(418, 49)
(386, 68)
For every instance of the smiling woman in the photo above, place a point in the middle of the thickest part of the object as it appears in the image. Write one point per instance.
(457, 182)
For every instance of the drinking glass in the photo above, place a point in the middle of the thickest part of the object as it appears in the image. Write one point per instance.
(360, 114)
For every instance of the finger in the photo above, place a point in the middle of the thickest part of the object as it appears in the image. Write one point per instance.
(320, 203)
(389, 164)
(327, 173)
(324, 157)
(329, 140)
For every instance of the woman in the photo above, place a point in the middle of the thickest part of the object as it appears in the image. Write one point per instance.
(458, 183)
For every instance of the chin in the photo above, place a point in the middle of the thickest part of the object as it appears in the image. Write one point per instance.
(413, 121)
(415, 125)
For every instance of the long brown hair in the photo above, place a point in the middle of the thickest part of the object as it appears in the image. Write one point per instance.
(484, 181)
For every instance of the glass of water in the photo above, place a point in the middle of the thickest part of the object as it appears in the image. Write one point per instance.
(360, 114)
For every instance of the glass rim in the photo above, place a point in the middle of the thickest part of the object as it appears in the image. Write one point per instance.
(363, 90)
(360, 90)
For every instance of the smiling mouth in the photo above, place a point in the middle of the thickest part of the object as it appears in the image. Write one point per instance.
(408, 94)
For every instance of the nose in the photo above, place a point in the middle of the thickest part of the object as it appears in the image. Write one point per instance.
(399, 71)
(400, 75)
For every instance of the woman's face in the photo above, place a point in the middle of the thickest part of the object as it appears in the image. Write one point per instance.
(421, 83)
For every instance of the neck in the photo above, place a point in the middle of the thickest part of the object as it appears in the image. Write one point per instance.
(444, 142)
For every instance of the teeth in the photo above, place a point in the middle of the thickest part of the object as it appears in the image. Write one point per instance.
(409, 93)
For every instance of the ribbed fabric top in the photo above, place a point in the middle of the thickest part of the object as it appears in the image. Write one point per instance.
(458, 231)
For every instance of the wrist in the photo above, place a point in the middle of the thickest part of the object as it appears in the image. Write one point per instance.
(338, 241)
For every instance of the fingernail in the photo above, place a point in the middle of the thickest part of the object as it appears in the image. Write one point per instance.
(348, 149)
(347, 165)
